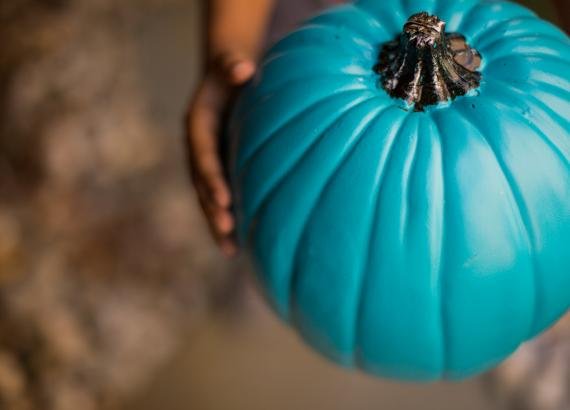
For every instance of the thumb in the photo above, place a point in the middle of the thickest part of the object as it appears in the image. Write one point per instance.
(237, 69)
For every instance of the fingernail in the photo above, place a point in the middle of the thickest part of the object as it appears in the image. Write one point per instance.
(241, 71)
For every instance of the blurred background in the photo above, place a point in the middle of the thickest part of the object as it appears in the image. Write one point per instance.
(112, 295)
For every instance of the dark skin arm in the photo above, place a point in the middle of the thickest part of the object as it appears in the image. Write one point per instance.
(234, 36)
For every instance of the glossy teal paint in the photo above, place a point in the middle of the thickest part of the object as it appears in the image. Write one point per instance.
(414, 245)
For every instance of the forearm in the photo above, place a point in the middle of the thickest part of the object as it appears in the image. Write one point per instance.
(236, 26)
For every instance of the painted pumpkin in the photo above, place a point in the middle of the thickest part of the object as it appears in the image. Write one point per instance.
(402, 179)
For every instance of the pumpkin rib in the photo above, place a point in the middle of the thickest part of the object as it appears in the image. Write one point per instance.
(287, 238)
(301, 110)
(408, 165)
(383, 165)
(367, 81)
(273, 56)
(438, 243)
(274, 78)
(429, 157)
(314, 50)
(342, 350)
(346, 15)
(531, 37)
(452, 12)
(543, 107)
(323, 36)
(540, 76)
(365, 126)
(548, 89)
(263, 94)
(241, 175)
(493, 13)
(392, 17)
(273, 185)
(495, 32)
(560, 152)
(562, 157)
(506, 104)
(548, 47)
(545, 99)
(391, 261)
(463, 356)
(528, 25)
(411, 167)
(441, 268)
(558, 92)
(518, 205)
(358, 64)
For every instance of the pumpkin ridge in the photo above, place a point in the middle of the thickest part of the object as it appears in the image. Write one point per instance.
(285, 173)
(493, 13)
(315, 52)
(541, 134)
(391, 15)
(493, 32)
(546, 109)
(354, 42)
(538, 74)
(378, 113)
(367, 81)
(518, 204)
(244, 158)
(423, 155)
(409, 169)
(342, 12)
(357, 359)
(459, 350)
(524, 37)
(549, 89)
(441, 268)
(409, 164)
(282, 274)
(264, 97)
(252, 209)
(437, 238)
(546, 31)
(446, 9)
(548, 47)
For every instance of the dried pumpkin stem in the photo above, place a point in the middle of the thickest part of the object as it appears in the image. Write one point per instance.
(426, 66)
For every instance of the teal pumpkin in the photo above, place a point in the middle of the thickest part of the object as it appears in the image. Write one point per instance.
(414, 242)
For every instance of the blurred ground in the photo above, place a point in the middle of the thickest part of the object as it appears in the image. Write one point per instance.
(245, 359)
(104, 260)
(111, 293)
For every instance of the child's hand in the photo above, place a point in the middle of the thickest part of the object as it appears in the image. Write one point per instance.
(203, 127)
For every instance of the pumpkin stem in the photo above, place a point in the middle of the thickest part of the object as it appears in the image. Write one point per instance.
(426, 66)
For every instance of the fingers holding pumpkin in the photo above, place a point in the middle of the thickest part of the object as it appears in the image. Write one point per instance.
(220, 221)
(210, 101)
(203, 123)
